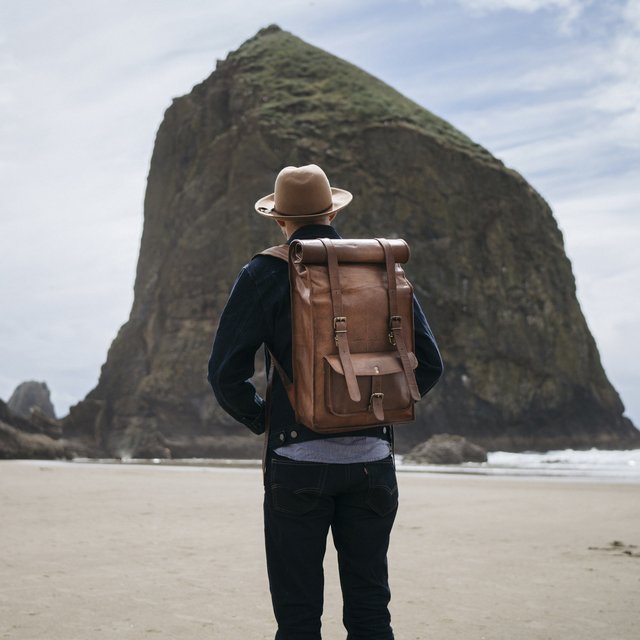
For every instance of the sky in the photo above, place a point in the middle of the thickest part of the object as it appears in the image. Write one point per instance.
(551, 87)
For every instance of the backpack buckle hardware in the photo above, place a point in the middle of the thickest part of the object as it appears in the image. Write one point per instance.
(343, 321)
(397, 321)
(373, 396)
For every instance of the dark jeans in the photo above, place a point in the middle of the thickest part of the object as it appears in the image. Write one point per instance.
(359, 503)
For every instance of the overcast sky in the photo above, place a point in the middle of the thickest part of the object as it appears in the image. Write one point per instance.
(551, 87)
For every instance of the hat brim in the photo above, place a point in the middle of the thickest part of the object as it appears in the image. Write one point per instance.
(339, 199)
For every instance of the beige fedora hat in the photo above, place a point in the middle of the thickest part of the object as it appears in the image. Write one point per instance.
(302, 193)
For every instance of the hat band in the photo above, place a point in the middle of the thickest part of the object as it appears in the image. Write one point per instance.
(296, 215)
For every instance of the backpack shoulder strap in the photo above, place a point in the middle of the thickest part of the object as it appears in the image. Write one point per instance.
(279, 251)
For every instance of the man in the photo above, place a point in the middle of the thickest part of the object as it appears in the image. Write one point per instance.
(313, 482)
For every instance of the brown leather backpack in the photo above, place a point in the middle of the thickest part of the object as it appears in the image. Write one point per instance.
(353, 336)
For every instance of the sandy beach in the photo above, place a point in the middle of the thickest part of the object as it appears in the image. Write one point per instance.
(124, 551)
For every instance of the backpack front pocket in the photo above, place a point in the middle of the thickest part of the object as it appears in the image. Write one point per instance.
(381, 380)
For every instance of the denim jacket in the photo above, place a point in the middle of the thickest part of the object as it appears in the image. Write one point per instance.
(258, 313)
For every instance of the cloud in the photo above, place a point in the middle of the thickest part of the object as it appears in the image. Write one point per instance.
(567, 11)
(573, 7)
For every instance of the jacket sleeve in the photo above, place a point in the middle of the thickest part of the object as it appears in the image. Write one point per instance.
(430, 365)
(240, 334)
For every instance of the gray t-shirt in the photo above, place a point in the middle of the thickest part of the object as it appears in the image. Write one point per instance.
(342, 450)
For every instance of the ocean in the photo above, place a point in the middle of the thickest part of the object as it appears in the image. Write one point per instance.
(568, 463)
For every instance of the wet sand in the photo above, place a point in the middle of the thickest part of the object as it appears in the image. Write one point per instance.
(129, 552)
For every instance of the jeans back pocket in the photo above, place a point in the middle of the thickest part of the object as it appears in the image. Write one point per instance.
(296, 487)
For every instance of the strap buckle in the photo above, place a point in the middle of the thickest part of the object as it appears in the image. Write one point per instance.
(373, 396)
(342, 320)
(394, 320)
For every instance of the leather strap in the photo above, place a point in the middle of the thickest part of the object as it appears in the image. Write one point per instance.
(340, 321)
(288, 385)
(395, 321)
(279, 251)
(376, 403)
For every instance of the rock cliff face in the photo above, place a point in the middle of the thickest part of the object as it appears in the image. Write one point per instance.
(488, 262)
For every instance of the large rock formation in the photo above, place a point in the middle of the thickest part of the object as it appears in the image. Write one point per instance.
(444, 448)
(28, 395)
(488, 261)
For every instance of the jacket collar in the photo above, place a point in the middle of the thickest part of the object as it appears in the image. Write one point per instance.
(310, 231)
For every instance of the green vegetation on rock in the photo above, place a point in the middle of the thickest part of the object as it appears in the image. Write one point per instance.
(300, 89)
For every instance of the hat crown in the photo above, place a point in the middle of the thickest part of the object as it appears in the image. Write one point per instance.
(301, 191)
